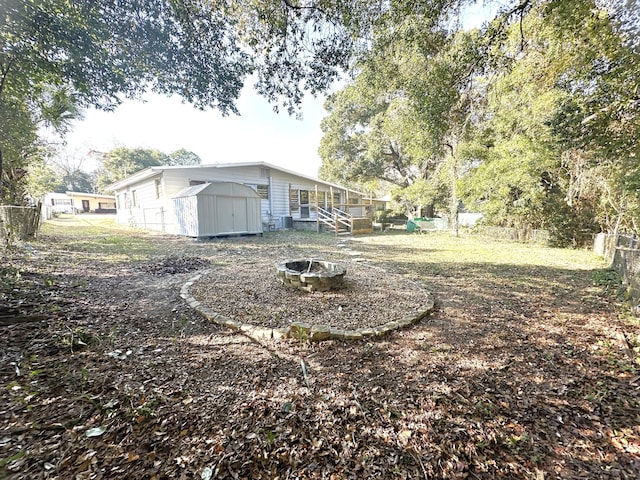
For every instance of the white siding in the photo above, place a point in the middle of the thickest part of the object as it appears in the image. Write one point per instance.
(148, 211)
(282, 182)
(159, 214)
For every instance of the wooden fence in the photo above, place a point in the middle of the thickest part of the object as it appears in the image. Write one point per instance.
(18, 223)
(623, 253)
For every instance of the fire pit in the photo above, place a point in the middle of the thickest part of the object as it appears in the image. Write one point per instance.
(311, 275)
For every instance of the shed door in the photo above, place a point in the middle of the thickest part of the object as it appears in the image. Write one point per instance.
(231, 214)
(224, 214)
(240, 215)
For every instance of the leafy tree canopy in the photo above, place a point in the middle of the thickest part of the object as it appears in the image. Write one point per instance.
(121, 162)
(97, 53)
(397, 122)
(182, 157)
(561, 125)
(533, 119)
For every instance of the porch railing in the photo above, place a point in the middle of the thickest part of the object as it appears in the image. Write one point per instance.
(335, 220)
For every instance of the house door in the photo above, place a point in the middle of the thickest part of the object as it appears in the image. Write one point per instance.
(85, 205)
(304, 203)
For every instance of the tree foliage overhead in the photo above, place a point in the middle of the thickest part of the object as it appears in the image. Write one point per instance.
(562, 125)
(532, 120)
(97, 53)
(403, 116)
(111, 48)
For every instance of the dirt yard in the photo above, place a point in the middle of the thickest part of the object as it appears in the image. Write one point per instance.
(520, 373)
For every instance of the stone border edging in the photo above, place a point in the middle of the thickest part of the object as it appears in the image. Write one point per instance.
(299, 330)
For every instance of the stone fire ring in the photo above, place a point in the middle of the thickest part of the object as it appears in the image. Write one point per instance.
(300, 330)
(310, 275)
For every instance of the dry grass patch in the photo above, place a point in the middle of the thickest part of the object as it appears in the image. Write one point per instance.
(517, 375)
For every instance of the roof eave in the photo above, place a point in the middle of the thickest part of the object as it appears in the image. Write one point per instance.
(136, 177)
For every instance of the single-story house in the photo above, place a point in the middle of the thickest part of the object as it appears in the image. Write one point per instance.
(161, 198)
(93, 202)
(74, 202)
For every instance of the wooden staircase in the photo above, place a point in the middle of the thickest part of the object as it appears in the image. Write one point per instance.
(336, 221)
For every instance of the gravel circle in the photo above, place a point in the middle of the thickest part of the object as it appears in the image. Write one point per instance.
(251, 293)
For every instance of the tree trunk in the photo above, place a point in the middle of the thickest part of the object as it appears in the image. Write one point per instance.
(454, 207)
(1, 189)
(428, 211)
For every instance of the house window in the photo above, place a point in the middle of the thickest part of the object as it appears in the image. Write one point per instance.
(322, 197)
(262, 190)
(158, 185)
(134, 198)
(294, 202)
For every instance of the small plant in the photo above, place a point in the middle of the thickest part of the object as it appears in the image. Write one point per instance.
(146, 410)
(300, 333)
(516, 443)
(599, 392)
(608, 279)
(77, 339)
(269, 437)
(485, 409)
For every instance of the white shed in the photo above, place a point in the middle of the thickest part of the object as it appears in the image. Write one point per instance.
(217, 208)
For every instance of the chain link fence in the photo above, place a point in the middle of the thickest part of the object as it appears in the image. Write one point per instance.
(525, 235)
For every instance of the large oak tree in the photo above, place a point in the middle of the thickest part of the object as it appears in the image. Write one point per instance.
(100, 52)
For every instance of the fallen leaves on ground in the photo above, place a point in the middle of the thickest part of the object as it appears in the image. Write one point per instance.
(517, 375)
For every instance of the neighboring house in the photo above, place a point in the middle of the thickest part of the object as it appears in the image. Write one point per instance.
(75, 202)
(57, 203)
(154, 198)
(93, 202)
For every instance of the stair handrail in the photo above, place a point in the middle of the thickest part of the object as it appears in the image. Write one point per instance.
(344, 218)
(325, 217)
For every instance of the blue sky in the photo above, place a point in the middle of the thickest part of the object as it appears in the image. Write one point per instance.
(258, 134)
